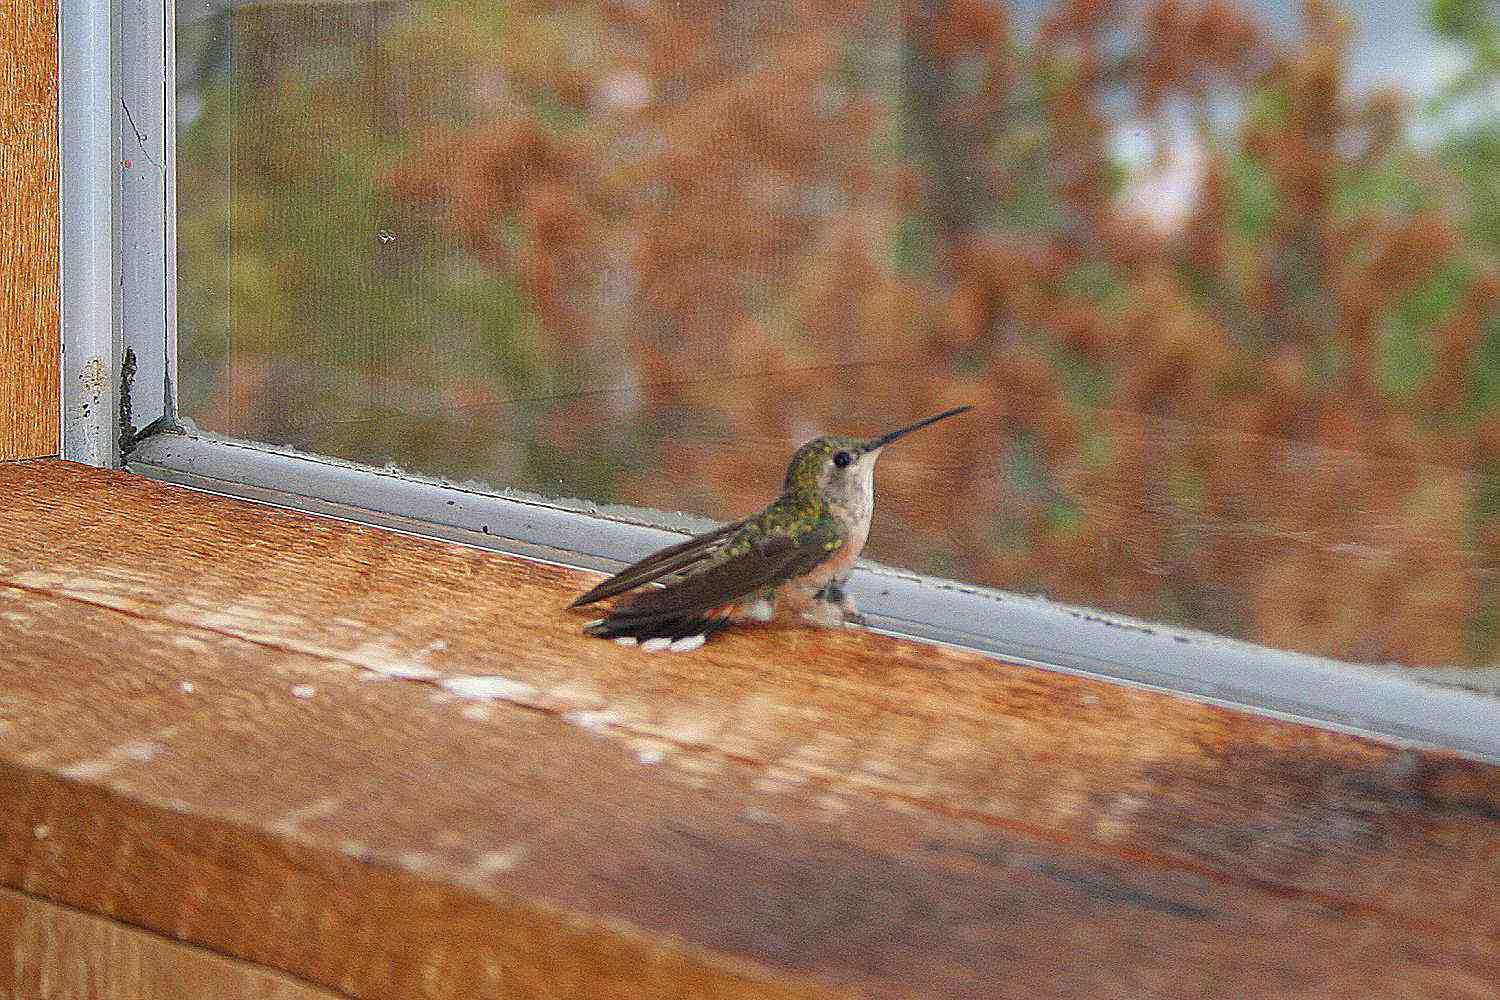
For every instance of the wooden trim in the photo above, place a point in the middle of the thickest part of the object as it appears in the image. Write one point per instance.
(30, 340)
(247, 729)
(48, 950)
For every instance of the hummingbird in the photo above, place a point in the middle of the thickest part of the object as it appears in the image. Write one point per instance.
(794, 557)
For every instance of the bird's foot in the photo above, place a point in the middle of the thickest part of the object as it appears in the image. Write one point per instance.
(823, 614)
(835, 607)
(831, 614)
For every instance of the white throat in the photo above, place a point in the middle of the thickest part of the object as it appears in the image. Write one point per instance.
(862, 499)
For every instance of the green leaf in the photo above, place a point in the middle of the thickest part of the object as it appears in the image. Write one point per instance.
(1095, 281)
(912, 245)
(1484, 379)
(1253, 199)
(1404, 359)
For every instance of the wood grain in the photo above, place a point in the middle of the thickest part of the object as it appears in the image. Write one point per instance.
(232, 724)
(30, 341)
(48, 952)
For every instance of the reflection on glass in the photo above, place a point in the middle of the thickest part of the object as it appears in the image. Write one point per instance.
(1222, 279)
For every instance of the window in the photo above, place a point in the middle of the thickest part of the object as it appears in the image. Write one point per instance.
(1221, 279)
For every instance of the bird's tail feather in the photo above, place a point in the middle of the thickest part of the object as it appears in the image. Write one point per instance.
(644, 628)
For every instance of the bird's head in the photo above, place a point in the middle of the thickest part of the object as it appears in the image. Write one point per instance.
(842, 469)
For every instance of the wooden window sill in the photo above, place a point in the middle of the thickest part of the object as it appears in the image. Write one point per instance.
(228, 756)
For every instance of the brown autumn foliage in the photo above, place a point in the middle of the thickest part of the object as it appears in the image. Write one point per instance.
(883, 215)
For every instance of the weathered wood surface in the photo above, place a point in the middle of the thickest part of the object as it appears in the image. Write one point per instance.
(231, 724)
(30, 347)
(49, 952)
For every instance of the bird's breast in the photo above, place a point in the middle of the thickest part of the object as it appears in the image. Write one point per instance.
(857, 530)
(843, 560)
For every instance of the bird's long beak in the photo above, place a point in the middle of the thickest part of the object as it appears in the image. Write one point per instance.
(875, 444)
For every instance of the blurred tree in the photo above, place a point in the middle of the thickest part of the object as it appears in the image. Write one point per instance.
(1251, 387)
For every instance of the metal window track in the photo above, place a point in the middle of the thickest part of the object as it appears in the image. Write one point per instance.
(1389, 703)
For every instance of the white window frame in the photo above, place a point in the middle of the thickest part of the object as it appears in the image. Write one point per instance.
(118, 249)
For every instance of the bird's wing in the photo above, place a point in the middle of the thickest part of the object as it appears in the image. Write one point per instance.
(699, 602)
(673, 559)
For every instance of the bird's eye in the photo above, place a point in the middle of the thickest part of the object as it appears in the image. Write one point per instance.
(842, 459)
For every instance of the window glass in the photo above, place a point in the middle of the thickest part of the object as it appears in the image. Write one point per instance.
(1220, 278)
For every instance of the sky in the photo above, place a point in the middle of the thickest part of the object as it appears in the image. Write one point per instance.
(1392, 44)
(1392, 47)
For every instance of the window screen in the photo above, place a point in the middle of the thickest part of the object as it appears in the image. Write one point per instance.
(1221, 279)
